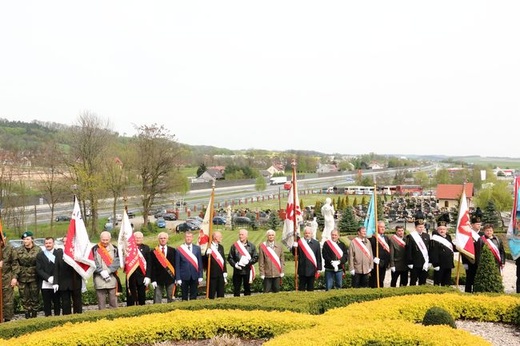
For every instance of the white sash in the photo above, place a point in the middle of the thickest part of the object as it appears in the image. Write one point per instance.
(190, 256)
(443, 241)
(383, 243)
(217, 256)
(364, 249)
(308, 252)
(335, 248)
(272, 256)
(420, 243)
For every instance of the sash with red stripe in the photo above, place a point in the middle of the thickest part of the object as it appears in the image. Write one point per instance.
(163, 261)
(335, 248)
(307, 251)
(383, 243)
(243, 252)
(493, 248)
(399, 241)
(362, 247)
(217, 257)
(272, 256)
(189, 256)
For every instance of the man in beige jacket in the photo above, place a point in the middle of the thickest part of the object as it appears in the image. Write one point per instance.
(361, 259)
(271, 263)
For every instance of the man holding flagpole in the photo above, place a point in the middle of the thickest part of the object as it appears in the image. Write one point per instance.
(217, 266)
(138, 281)
(309, 260)
(382, 262)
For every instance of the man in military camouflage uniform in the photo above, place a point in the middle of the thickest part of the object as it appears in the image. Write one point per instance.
(6, 266)
(25, 275)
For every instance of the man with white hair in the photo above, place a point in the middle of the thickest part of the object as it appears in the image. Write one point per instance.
(242, 256)
(271, 263)
(107, 263)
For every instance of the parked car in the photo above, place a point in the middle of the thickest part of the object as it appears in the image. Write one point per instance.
(242, 220)
(131, 214)
(160, 222)
(186, 226)
(108, 226)
(15, 243)
(62, 218)
(169, 216)
(219, 220)
(39, 242)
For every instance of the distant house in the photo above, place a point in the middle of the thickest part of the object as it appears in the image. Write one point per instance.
(212, 173)
(276, 169)
(505, 172)
(326, 168)
(448, 195)
(376, 165)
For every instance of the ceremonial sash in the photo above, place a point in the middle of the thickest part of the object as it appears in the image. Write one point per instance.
(420, 243)
(142, 262)
(105, 255)
(164, 261)
(335, 248)
(307, 251)
(218, 258)
(269, 252)
(243, 252)
(493, 248)
(362, 247)
(399, 241)
(189, 256)
(443, 241)
(383, 243)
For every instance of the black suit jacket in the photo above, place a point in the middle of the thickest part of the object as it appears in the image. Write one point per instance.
(306, 267)
(145, 251)
(384, 256)
(156, 272)
(44, 267)
(215, 270)
(68, 278)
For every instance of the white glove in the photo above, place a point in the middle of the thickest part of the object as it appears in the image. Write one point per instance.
(436, 268)
(410, 266)
(154, 284)
(178, 282)
(376, 260)
(392, 269)
(370, 270)
(353, 272)
(208, 252)
(335, 263)
(104, 274)
(55, 288)
(465, 266)
(146, 281)
(425, 267)
(224, 275)
(50, 280)
(238, 266)
(335, 267)
(262, 277)
(282, 275)
(83, 286)
(295, 244)
(200, 280)
(225, 281)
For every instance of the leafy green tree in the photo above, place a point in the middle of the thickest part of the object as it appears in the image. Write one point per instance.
(202, 168)
(260, 184)
(488, 277)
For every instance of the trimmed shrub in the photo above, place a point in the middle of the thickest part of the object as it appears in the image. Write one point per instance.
(436, 315)
(488, 277)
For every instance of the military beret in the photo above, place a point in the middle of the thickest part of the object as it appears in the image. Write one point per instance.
(27, 234)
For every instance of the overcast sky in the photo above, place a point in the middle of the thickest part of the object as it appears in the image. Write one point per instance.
(350, 77)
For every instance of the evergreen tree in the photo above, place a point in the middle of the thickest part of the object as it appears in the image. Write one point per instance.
(488, 277)
(202, 168)
(274, 221)
(491, 215)
(347, 201)
(348, 222)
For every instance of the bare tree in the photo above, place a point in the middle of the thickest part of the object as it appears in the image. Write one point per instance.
(157, 155)
(115, 180)
(91, 140)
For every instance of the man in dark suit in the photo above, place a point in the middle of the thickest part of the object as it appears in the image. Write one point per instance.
(382, 259)
(137, 282)
(70, 285)
(188, 267)
(309, 260)
(417, 252)
(45, 262)
(162, 269)
(242, 256)
(217, 266)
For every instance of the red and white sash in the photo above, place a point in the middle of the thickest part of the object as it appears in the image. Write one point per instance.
(493, 248)
(362, 247)
(184, 251)
(443, 241)
(217, 257)
(399, 241)
(420, 243)
(383, 243)
(269, 252)
(307, 251)
(335, 248)
(243, 252)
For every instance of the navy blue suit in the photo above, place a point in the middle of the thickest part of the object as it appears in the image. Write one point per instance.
(187, 273)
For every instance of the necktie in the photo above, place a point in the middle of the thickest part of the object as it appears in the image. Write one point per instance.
(189, 247)
(163, 251)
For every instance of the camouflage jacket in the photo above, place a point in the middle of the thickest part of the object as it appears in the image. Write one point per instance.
(24, 267)
(7, 266)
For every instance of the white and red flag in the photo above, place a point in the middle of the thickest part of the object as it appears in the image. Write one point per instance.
(293, 211)
(205, 226)
(465, 235)
(77, 252)
(130, 257)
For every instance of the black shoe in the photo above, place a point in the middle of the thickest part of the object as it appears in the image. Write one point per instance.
(27, 315)
(6, 320)
(34, 314)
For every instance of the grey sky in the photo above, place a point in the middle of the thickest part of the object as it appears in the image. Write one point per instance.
(351, 77)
